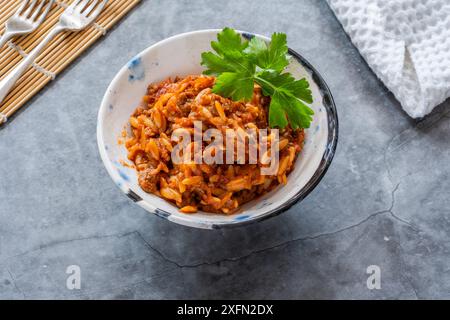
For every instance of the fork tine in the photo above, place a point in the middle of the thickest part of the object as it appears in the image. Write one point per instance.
(22, 6)
(98, 10)
(45, 11)
(81, 6)
(89, 9)
(38, 9)
(74, 4)
(28, 11)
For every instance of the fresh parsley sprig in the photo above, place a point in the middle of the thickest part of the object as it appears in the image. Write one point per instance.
(238, 64)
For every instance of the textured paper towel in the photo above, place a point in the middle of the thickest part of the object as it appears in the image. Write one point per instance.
(406, 43)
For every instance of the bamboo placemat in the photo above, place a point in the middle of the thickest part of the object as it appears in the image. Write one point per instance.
(56, 56)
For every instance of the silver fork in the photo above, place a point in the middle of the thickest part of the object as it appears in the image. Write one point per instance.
(26, 19)
(77, 16)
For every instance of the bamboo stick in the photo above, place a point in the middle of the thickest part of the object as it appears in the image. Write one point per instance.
(10, 6)
(80, 42)
(27, 43)
(57, 55)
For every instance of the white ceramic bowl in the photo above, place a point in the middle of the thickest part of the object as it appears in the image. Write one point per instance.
(179, 56)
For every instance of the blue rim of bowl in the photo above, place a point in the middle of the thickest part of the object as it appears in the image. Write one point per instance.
(333, 129)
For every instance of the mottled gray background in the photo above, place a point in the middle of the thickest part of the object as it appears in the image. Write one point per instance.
(384, 201)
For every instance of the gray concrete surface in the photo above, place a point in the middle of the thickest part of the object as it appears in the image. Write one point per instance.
(385, 200)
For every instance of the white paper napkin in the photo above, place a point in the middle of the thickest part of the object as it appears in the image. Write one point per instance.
(406, 43)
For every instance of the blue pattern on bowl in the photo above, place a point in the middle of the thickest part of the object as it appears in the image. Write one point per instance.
(137, 70)
(242, 217)
(123, 175)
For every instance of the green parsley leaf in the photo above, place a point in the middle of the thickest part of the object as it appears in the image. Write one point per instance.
(230, 56)
(287, 83)
(274, 57)
(229, 43)
(286, 95)
(235, 85)
(239, 64)
(300, 116)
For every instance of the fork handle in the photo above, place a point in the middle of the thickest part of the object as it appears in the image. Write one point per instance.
(4, 38)
(8, 82)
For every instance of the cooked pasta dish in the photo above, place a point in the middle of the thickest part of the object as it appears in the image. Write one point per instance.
(222, 188)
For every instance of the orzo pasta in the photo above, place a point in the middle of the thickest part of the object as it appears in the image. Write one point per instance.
(216, 188)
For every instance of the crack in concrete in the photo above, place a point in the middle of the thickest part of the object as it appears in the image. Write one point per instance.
(286, 243)
(387, 149)
(424, 123)
(56, 243)
(83, 293)
(405, 275)
(404, 266)
(13, 280)
(228, 259)
(396, 217)
(176, 264)
(404, 221)
(92, 292)
(283, 244)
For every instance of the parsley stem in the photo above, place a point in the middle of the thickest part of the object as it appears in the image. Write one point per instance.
(261, 80)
